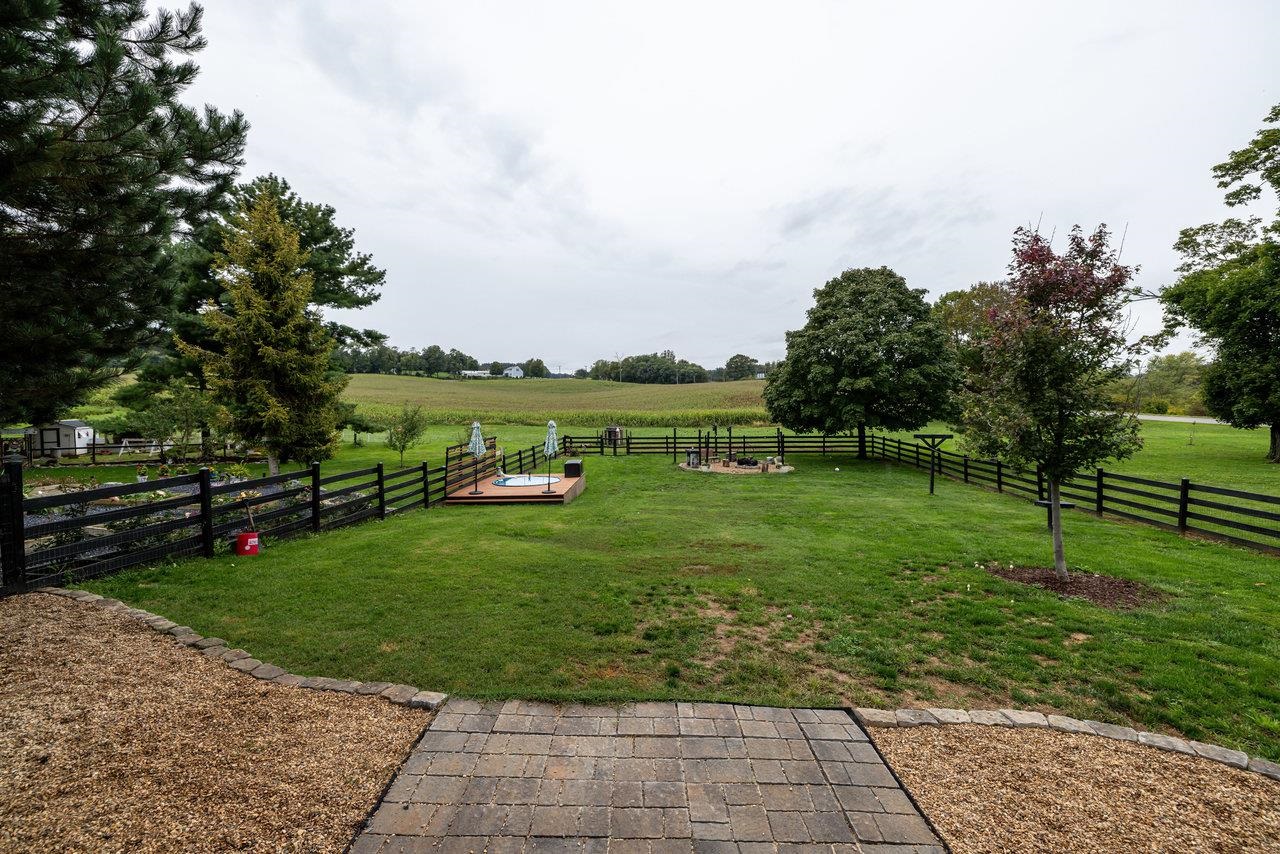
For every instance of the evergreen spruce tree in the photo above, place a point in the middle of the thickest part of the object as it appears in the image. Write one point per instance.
(101, 165)
(271, 366)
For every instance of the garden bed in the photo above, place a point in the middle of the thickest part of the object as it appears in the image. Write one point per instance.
(115, 738)
(989, 788)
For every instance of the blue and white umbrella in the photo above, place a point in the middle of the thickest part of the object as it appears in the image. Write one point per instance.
(549, 450)
(476, 445)
(551, 446)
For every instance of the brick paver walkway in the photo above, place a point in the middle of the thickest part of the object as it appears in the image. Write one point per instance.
(648, 778)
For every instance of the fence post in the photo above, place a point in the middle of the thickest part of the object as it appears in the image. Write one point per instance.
(315, 496)
(13, 550)
(1184, 499)
(999, 476)
(966, 468)
(426, 486)
(206, 512)
(675, 440)
(628, 438)
(1098, 500)
(382, 494)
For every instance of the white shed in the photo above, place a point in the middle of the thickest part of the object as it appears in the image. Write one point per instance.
(515, 372)
(69, 437)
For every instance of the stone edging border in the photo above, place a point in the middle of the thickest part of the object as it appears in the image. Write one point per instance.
(237, 659)
(1021, 719)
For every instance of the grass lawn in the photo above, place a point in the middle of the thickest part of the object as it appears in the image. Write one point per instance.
(813, 588)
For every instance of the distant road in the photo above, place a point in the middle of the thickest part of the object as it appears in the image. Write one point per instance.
(1181, 419)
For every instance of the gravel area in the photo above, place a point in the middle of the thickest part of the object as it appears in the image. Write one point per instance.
(998, 789)
(114, 737)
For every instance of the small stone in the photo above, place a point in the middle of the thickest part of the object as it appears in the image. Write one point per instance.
(1234, 758)
(1265, 767)
(246, 665)
(181, 630)
(205, 643)
(427, 700)
(401, 694)
(1165, 742)
(914, 717)
(989, 717)
(346, 686)
(162, 625)
(372, 687)
(950, 716)
(189, 640)
(288, 679)
(1022, 718)
(1120, 733)
(92, 597)
(234, 655)
(875, 717)
(266, 671)
(214, 651)
(1064, 724)
(108, 603)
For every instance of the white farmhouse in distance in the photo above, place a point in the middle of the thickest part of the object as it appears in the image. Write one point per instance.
(515, 372)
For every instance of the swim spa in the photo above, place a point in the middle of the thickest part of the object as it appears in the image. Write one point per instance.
(525, 480)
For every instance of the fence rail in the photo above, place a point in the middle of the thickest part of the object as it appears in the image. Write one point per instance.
(52, 539)
(1182, 506)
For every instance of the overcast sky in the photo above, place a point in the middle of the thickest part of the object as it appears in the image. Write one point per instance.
(571, 181)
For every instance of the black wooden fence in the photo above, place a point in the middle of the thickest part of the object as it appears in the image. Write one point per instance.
(1245, 518)
(62, 537)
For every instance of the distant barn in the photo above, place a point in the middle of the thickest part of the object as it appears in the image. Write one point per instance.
(515, 372)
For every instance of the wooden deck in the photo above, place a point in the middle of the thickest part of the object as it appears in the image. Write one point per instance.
(563, 491)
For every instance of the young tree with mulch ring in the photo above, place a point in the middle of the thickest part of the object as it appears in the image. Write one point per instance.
(1039, 396)
(870, 355)
(272, 368)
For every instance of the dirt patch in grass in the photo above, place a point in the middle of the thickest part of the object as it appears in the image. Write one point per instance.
(996, 789)
(116, 738)
(1104, 590)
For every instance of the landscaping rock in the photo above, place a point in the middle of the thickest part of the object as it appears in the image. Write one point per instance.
(1265, 767)
(989, 717)
(1121, 733)
(875, 717)
(288, 679)
(1064, 724)
(190, 640)
(372, 687)
(401, 694)
(234, 655)
(427, 700)
(266, 671)
(1023, 718)
(914, 717)
(91, 597)
(205, 643)
(181, 630)
(214, 651)
(246, 665)
(1165, 742)
(162, 625)
(346, 686)
(1234, 758)
(950, 716)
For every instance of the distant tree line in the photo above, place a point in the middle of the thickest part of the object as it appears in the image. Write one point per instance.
(383, 358)
(651, 368)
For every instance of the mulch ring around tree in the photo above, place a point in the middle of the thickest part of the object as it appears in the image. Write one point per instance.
(1104, 590)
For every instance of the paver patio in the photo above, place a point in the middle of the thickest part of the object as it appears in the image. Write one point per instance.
(646, 778)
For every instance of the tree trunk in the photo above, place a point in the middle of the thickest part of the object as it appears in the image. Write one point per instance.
(862, 441)
(1274, 454)
(273, 465)
(1055, 509)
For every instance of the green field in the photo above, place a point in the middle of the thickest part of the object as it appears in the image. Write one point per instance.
(819, 587)
(529, 401)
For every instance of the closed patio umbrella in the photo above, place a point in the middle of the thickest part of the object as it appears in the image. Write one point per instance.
(476, 448)
(549, 449)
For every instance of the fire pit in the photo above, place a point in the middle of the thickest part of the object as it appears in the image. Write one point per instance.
(739, 465)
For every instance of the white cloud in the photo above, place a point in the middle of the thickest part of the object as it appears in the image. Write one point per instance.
(575, 180)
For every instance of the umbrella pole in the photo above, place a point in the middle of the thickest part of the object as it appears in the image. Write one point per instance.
(548, 490)
(475, 480)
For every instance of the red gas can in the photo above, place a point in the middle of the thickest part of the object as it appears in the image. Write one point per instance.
(247, 543)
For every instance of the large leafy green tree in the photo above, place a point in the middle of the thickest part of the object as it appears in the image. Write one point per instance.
(966, 317)
(271, 366)
(870, 355)
(1039, 397)
(1229, 292)
(100, 166)
(740, 367)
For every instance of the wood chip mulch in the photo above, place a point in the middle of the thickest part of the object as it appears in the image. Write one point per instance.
(116, 738)
(992, 788)
(1104, 590)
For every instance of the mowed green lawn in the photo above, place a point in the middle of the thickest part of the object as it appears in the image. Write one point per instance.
(818, 587)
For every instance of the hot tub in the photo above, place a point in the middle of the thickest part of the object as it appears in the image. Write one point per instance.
(526, 480)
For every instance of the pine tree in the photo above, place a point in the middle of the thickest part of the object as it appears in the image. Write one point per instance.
(101, 165)
(271, 368)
